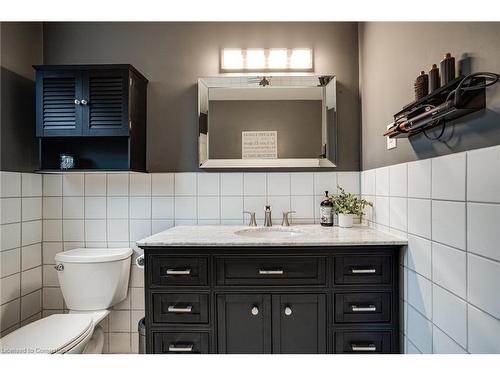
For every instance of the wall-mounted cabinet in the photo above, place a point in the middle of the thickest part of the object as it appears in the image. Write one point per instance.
(97, 113)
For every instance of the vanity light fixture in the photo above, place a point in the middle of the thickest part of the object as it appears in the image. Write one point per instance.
(266, 59)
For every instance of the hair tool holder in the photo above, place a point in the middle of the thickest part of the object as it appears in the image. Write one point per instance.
(458, 98)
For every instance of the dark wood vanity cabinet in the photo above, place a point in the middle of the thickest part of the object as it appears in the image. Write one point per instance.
(272, 300)
(97, 113)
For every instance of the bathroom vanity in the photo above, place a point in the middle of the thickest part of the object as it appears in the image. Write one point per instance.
(302, 289)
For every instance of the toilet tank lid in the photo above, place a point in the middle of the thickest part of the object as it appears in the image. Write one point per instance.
(94, 255)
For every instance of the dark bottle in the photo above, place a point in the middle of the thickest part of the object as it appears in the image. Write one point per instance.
(447, 69)
(326, 212)
(434, 82)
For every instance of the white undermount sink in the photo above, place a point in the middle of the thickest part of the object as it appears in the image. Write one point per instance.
(270, 232)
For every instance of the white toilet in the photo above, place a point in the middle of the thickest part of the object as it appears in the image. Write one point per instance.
(92, 281)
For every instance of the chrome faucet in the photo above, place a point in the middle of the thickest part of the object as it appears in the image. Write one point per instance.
(267, 218)
(253, 222)
(286, 222)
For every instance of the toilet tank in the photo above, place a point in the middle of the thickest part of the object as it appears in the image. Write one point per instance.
(93, 279)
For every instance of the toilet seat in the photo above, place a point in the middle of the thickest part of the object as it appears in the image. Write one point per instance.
(56, 333)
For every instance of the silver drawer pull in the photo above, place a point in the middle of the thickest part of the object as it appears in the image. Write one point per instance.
(357, 308)
(363, 348)
(270, 272)
(363, 270)
(175, 309)
(172, 271)
(180, 348)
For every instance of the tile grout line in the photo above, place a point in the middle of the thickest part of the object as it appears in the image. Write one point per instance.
(21, 253)
(466, 256)
(432, 258)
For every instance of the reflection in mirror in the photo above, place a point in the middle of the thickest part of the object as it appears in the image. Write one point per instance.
(267, 121)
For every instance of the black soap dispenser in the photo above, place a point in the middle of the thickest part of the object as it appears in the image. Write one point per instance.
(326, 212)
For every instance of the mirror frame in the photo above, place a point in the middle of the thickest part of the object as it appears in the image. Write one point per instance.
(282, 80)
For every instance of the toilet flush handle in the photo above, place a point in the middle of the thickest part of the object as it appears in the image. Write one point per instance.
(59, 267)
(140, 261)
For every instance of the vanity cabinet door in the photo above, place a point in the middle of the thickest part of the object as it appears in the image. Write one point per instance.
(299, 323)
(244, 324)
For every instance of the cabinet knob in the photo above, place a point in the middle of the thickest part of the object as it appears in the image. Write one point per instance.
(288, 311)
(77, 102)
(84, 102)
(255, 310)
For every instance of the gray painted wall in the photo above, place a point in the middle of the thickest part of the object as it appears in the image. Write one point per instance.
(21, 47)
(392, 55)
(173, 55)
(298, 123)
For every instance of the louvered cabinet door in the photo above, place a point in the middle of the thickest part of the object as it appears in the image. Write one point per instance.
(57, 103)
(105, 112)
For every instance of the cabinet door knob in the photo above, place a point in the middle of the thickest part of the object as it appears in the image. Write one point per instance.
(255, 311)
(77, 102)
(84, 102)
(288, 311)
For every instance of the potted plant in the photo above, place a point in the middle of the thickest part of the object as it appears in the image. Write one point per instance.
(348, 205)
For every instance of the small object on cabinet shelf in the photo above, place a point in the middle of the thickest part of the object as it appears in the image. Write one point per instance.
(421, 85)
(434, 82)
(66, 161)
(447, 69)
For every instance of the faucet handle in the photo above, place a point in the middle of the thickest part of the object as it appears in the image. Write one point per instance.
(285, 222)
(253, 222)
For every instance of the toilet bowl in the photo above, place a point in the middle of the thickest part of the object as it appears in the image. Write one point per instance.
(92, 281)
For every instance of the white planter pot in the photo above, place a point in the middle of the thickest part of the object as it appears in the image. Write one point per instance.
(346, 220)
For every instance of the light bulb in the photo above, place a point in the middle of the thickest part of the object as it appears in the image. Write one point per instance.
(277, 58)
(232, 58)
(301, 59)
(256, 59)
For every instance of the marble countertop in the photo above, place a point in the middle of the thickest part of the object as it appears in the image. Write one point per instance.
(304, 235)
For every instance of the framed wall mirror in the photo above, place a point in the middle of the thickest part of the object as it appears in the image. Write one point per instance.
(271, 121)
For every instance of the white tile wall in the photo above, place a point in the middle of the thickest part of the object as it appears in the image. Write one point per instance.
(419, 179)
(420, 293)
(483, 234)
(398, 181)
(483, 185)
(449, 313)
(448, 177)
(448, 223)
(449, 268)
(452, 263)
(21, 250)
(116, 209)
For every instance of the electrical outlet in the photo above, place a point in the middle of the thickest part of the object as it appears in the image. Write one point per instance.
(391, 142)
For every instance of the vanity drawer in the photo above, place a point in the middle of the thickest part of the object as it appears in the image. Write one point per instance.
(363, 342)
(180, 308)
(181, 342)
(363, 307)
(179, 271)
(363, 269)
(271, 271)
